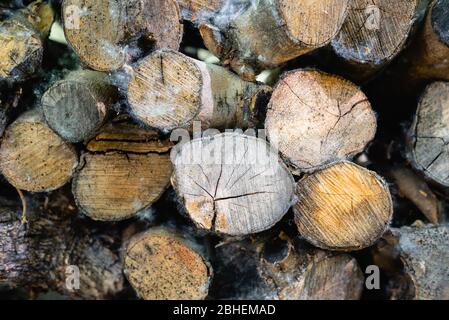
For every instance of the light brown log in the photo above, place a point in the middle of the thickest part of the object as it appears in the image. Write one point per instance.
(253, 35)
(374, 33)
(194, 10)
(21, 41)
(343, 207)
(161, 265)
(103, 32)
(124, 171)
(170, 90)
(429, 143)
(232, 183)
(33, 157)
(316, 118)
(77, 106)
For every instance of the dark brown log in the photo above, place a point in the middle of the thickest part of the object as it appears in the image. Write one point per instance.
(232, 183)
(33, 157)
(374, 33)
(315, 118)
(124, 171)
(103, 32)
(161, 265)
(77, 106)
(429, 134)
(252, 35)
(38, 255)
(21, 41)
(343, 207)
(170, 90)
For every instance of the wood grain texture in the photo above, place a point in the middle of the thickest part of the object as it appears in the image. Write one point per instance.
(101, 32)
(33, 157)
(343, 207)
(77, 106)
(430, 134)
(21, 41)
(194, 10)
(250, 36)
(170, 90)
(163, 266)
(125, 170)
(232, 184)
(316, 118)
(424, 252)
(374, 33)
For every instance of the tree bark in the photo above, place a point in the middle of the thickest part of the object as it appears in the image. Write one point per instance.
(33, 157)
(232, 183)
(124, 171)
(343, 207)
(77, 106)
(37, 255)
(161, 265)
(112, 33)
(170, 90)
(253, 35)
(329, 119)
(373, 34)
(21, 41)
(429, 134)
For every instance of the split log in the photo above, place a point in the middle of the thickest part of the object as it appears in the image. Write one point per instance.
(41, 254)
(423, 251)
(33, 157)
(107, 34)
(275, 268)
(253, 35)
(170, 90)
(77, 106)
(329, 119)
(194, 10)
(124, 171)
(374, 33)
(343, 207)
(161, 265)
(429, 143)
(232, 183)
(21, 41)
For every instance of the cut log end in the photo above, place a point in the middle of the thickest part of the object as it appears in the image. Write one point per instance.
(100, 36)
(343, 207)
(77, 106)
(430, 133)
(232, 184)
(126, 169)
(33, 157)
(329, 119)
(162, 266)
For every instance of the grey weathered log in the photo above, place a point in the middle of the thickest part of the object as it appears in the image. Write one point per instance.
(77, 106)
(232, 183)
(42, 254)
(429, 134)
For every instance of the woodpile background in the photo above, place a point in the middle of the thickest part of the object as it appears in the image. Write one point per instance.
(224, 149)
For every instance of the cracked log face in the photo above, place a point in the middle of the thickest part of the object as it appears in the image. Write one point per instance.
(162, 266)
(375, 32)
(342, 207)
(316, 118)
(170, 90)
(33, 157)
(125, 170)
(198, 9)
(430, 134)
(21, 44)
(232, 184)
(98, 29)
(77, 106)
(253, 35)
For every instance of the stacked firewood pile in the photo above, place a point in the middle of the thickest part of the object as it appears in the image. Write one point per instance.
(224, 149)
